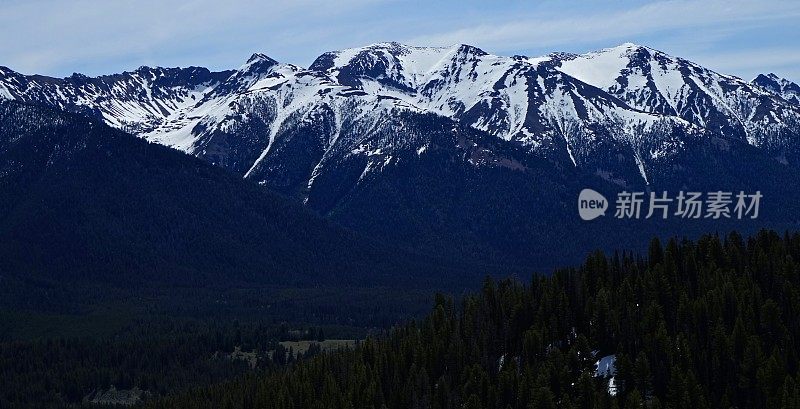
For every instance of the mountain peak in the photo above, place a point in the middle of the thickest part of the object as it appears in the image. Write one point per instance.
(629, 47)
(388, 45)
(771, 77)
(258, 63)
(142, 69)
(789, 90)
(470, 49)
(260, 57)
(766, 80)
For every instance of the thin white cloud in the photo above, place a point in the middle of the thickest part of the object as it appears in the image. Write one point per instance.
(532, 31)
(784, 62)
(94, 36)
(43, 35)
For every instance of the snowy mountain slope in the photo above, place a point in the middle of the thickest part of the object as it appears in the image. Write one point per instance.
(289, 122)
(652, 81)
(139, 101)
(513, 98)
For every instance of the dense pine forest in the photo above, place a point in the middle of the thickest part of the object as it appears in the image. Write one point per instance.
(705, 324)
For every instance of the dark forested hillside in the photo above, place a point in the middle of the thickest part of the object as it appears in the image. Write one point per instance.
(705, 324)
(81, 202)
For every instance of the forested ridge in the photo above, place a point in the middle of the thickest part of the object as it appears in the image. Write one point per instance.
(705, 324)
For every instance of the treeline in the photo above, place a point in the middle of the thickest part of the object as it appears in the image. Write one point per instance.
(705, 324)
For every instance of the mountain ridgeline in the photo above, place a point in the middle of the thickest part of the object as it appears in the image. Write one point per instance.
(453, 151)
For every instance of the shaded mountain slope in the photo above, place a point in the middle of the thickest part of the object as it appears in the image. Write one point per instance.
(82, 202)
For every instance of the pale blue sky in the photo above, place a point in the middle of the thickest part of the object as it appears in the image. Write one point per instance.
(55, 37)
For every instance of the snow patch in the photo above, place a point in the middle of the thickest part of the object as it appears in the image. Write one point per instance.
(605, 368)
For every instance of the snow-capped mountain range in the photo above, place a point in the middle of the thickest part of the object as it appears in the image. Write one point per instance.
(466, 150)
(629, 98)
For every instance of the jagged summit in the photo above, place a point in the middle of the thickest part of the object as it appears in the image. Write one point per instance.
(633, 47)
(789, 90)
(260, 57)
(258, 62)
(768, 77)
